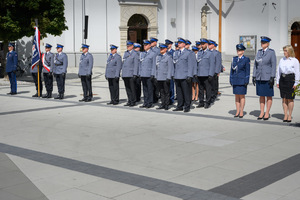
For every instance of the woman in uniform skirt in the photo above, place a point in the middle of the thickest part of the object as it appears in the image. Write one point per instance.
(239, 78)
(287, 80)
(264, 72)
(195, 87)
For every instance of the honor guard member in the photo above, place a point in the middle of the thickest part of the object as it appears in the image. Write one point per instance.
(129, 73)
(195, 86)
(176, 46)
(35, 74)
(85, 73)
(188, 44)
(217, 65)
(48, 65)
(185, 63)
(219, 68)
(239, 79)
(60, 70)
(170, 52)
(264, 72)
(205, 73)
(11, 68)
(164, 70)
(157, 51)
(146, 72)
(138, 81)
(112, 74)
(198, 45)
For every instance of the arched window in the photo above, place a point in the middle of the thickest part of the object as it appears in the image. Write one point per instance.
(137, 28)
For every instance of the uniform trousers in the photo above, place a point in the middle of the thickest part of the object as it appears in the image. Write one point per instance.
(148, 91)
(130, 89)
(86, 82)
(172, 91)
(183, 90)
(214, 86)
(60, 80)
(35, 79)
(164, 90)
(138, 88)
(204, 84)
(48, 79)
(113, 84)
(13, 82)
(155, 92)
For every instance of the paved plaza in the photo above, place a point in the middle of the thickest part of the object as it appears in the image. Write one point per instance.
(69, 150)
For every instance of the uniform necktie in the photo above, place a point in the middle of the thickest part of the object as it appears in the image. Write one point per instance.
(263, 52)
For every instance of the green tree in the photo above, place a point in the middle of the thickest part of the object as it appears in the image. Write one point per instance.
(17, 19)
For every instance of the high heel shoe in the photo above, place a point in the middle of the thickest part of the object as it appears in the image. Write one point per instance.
(268, 117)
(259, 118)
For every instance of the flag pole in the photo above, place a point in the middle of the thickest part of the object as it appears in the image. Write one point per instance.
(38, 67)
(220, 25)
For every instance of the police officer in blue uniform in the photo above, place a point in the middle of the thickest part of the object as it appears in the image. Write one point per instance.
(11, 68)
(112, 74)
(188, 44)
(239, 78)
(146, 72)
(264, 72)
(170, 52)
(195, 85)
(176, 46)
(164, 71)
(130, 69)
(185, 63)
(60, 70)
(48, 65)
(205, 73)
(35, 74)
(85, 73)
(138, 81)
(156, 50)
(217, 65)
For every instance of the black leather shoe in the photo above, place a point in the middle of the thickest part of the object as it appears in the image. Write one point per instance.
(127, 104)
(241, 116)
(58, 97)
(201, 105)
(115, 103)
(288, 121)
(9, 93)
(207, 106)
(143, 106)
(35, 95)
(61, 96)
(267, 118)
(13, 93)
(160, 107)
(110, 103)
(84, 99)
(49, 95)
(178, 109)
(166, 107)
(149, 106)
(285, 120)
(88, 100)
(187, 110)
(235, 116)
(132, 105)
(45, 96)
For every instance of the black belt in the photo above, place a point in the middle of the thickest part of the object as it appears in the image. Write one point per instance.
(284, 75)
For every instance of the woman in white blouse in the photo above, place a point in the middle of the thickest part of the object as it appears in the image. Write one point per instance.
(287, 80)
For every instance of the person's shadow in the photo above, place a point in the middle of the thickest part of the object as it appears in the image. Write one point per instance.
(278, 116)
(255, 113)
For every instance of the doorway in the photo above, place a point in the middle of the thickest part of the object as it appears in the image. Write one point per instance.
(295, 39)
(137, 29)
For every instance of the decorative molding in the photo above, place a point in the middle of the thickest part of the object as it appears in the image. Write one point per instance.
(127, 11)
(296, 19)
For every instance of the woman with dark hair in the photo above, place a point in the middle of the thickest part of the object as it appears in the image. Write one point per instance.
(239, 79)
(287, 80)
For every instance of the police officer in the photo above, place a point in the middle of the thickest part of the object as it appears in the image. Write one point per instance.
(205, 73)
(198, 45)
(60, 70)
(112, 74)
(185, 63)
(35, 74)
(164, 70)
(195, 86)
(146, 72)
(154, 45)
(11, 68)
(48, 65)
(138, 81)
(239, 78)
(264, 71)
(170, 52)
(129, 73)
(176, 46)
(188, 44)
(217, 69)
(85, 73)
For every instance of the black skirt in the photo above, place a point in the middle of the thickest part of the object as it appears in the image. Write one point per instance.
(286, 83)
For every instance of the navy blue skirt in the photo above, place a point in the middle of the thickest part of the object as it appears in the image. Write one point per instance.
(239, 89)
(264, 89)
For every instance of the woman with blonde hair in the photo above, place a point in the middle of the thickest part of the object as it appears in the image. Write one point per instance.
(287, 80)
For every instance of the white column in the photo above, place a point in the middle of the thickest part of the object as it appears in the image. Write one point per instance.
(283, 24)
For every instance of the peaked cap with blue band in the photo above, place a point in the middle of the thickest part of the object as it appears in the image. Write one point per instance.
(112, 46)
(240, 47)
(48, 45)
(265, 39)
(59, 46)
(167, 41)
(162, 45)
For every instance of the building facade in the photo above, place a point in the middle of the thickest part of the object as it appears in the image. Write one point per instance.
(115, 21)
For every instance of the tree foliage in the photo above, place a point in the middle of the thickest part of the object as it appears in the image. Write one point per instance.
(17, 18)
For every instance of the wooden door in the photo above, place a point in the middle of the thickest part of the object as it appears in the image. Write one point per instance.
(296, 42)
(132, 35)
